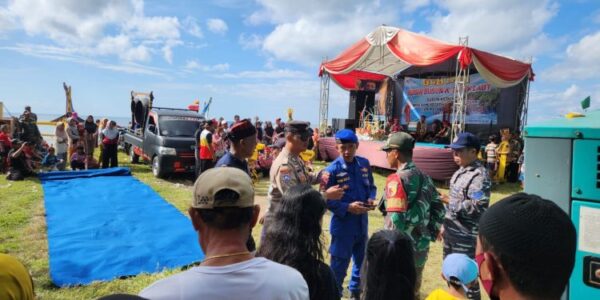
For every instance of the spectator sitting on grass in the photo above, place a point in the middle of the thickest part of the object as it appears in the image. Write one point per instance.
(19, 169)
(51, 161)
(389, 267)
(78, 159)
(294, 239)
(525, 249)
(91, 162)
(223, 213)
(459, 271)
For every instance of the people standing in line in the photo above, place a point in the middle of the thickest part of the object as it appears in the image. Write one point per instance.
(205, 153)
(78, 159)
(502, 152)
(460, 273)
(62, 142)
(389, 268)
(349, 220)
(294, 239)
(73, 134)
(103, 124)
(223, 213)
(411, 203)
(242, 137)
(289, 170)
(90, 136)
(110, 143)
(525, 249)
(491, 156)
(468, 199)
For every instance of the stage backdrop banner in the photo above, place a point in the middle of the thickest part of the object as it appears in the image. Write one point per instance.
(433, 98)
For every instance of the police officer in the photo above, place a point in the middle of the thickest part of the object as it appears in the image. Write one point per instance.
(349, 222)
(468, 199)
(412, 203)
(288, 169)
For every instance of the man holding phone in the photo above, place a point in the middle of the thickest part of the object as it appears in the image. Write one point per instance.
(411, 202)
(349, 222)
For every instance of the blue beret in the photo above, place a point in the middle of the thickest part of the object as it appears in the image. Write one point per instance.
(346, 136)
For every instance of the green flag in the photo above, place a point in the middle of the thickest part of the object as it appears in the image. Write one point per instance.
(585, 103)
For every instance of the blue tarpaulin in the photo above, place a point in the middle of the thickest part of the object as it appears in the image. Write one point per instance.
(104, 224)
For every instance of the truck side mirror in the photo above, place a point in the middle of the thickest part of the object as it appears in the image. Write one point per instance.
(152, 128)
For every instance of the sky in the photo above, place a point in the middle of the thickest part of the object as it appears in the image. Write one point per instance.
(259, 58)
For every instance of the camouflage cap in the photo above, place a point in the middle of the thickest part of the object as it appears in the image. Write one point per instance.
(400, 141)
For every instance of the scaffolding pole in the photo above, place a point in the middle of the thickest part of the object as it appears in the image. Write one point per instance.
(324, 102)
(459, 105)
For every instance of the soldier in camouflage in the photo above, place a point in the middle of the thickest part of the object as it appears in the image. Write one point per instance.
(469, 198)
(411, 202)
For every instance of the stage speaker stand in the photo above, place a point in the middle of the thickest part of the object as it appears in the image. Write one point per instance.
(358, 101)
(339, 124)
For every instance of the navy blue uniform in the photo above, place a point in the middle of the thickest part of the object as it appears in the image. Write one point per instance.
(228, 160)
(349, 232)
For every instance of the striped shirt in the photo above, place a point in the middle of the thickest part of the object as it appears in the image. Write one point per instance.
(490, 151)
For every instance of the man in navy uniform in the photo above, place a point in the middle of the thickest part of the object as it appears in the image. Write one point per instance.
(349, 223)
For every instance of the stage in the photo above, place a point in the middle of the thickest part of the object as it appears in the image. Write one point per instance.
(434, 160)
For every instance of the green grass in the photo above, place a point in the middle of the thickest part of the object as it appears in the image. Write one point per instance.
(23, 232)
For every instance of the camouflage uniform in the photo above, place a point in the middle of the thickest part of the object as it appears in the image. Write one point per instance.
(469, 198)
(424, 217)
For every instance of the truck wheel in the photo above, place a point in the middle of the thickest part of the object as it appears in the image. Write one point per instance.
(156, 169)
(134, 158)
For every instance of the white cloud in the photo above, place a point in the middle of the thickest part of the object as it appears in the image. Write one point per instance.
(547, 104)
(270, 74)
(98, 28)
(250, 41)
(192, 27)
(410, 6)
(7, 21)
(308, 31)
(582, 60)
(510, 27)
(217, 26)
(192, 65)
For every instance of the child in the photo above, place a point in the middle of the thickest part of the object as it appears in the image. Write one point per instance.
(78, 159)
(459, 272)
(91, 162)
(51, 161)
(490, 153)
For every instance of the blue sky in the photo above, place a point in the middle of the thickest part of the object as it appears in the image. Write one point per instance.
(259, 58)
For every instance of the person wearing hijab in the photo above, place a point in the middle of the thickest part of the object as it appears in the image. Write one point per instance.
(90, 135)
(15, 281)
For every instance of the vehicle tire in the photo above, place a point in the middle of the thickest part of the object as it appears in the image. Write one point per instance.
(156, 168)
(133, 158)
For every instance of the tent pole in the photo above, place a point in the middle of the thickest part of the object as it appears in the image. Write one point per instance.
(525, 108)
(459, 107)
(324, 102)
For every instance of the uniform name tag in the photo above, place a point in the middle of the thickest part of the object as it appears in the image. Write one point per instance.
(396, 200)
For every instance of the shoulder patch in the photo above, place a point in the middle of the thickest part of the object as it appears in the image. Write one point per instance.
(284, 169)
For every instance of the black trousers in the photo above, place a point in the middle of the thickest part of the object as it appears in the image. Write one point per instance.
(109, 156)
(203, 165)
(512, 172)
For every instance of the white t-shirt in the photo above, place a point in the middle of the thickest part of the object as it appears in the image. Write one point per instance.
(258, 278)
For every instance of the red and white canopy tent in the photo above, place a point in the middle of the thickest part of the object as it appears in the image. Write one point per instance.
(388, 51)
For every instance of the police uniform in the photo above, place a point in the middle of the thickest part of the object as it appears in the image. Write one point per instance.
(413, 204)
(469, 198)
(349, 232)
(287, 170)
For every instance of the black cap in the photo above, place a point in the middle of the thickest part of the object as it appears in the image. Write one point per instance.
(466, 140)
(296, 126)
(279, 144)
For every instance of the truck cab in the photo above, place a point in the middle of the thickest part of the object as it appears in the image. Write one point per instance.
(165, 138)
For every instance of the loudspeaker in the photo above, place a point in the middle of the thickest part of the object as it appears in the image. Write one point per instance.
(339, 124)
(359, 101)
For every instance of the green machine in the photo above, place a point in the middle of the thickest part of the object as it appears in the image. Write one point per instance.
(562, 164)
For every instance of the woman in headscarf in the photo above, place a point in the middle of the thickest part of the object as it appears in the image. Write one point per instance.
(100, 137)
(73, 134)
(90, 135)
(15, 281)
(62, 140)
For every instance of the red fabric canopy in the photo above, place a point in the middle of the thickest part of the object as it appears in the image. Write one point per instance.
(388, 51)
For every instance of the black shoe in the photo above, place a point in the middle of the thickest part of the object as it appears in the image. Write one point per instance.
(355, 296)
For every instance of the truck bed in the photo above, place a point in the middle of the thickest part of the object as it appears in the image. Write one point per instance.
(133, 138)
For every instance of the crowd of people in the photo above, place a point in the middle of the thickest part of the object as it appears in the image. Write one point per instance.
(504, 246)
(24, 153)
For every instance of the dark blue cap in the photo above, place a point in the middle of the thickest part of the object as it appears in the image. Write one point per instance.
(346, 136)
(466, 140)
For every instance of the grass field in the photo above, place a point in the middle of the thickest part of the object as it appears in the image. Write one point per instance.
(23, 233)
